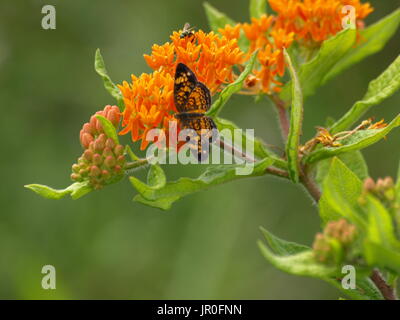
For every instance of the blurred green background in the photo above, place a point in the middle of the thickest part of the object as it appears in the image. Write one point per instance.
(104, 245)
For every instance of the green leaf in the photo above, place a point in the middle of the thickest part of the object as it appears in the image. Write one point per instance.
(165, 196)
(108, 128)
(232, 88)
(341, 191)
(296, 121)
(353, 160)
(378, 90)
(365, 289)
(257, 8)
(380, 227)
(156, 177)
(216, 19)
(372, 40)
(359, 140)
(301, 264)
(282, 247)
(312, 73)
(108, 84)
(76, 190)
(379, 255)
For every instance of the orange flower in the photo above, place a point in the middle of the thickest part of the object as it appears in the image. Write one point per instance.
(209, 55)
(149, 101)
(270, 41)
(315, 20)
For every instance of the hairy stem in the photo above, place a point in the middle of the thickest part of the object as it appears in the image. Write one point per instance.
(282, 115)
(387, 291)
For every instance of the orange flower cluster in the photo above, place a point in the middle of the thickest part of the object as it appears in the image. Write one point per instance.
(270, 40)
(315, 20)
(149, 98)
(149, 101)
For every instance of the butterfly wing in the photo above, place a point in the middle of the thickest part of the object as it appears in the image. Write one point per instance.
(199, 99)
(201, 136)
(185, 82)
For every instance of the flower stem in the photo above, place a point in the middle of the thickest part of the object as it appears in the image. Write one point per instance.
(387, 291)
(282, 115)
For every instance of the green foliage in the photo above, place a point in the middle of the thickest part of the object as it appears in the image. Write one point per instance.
(296, 121)
(371, 40)
(163, 196)
(313, 72)
(357, 141)
(341, 191)
(75, 190)
(353, 160)
(378, 90)
(216, 19)
(100, 68)
(232, 88)
(257, 8)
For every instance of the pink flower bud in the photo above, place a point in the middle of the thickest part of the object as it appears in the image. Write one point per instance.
(119, 150)
(75, 168)
(110, 161)
(75, 177)
(86, 139)
(110, 143)
(97, 159)
(94, 171)
(105, 174)
(88, 155)
(107, 152)
(121, 160)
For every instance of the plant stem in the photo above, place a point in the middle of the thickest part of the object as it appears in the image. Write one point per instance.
(282, 115)
(386, 290)
(311, 186)
(136, 164)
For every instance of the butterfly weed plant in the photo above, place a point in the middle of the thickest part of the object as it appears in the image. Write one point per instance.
(283, 55)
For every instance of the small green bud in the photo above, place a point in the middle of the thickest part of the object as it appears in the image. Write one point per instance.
(75, 168)
(121, 160)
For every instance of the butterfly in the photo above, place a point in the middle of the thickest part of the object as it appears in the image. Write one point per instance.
(187, 31)
(192, 100)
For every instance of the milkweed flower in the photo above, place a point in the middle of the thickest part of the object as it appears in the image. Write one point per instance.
(103, 160)
(149, 101)
(270, 41)
(315, 20)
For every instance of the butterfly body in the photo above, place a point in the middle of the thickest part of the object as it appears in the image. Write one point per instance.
(192, 100)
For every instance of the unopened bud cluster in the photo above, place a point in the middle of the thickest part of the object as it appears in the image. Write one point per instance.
(334, 243)
(384, 189)
(103, 160)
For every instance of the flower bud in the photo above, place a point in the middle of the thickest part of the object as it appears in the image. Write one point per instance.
(119, 150)
(88, 155)
(107, 152)
(100, 142)
(86, 139)
(121, 160)
(110, 143)
(75, 168)
(97, 159)
(76, 177)
(369, 184)
(94, 171)
(110, 162)
(105, 174)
